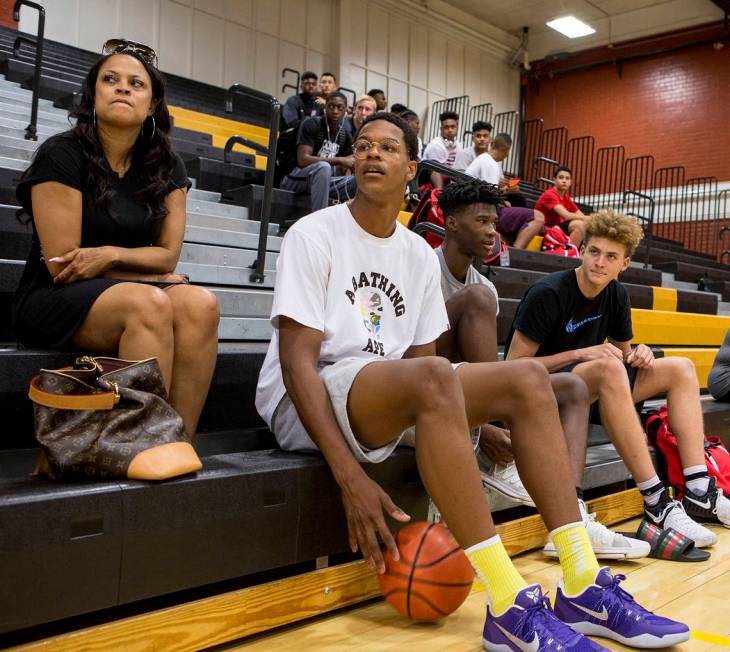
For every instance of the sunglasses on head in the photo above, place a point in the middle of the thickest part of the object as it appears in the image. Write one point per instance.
(123, 46)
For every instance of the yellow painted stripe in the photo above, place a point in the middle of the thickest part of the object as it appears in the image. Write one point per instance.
(226, 123)
(221, 130)
(535, 243)
(664, 299)
(660, 327)
(702, 359)
(710, 638)
(404, 217)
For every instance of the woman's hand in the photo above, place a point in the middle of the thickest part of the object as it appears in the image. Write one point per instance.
(84, 263)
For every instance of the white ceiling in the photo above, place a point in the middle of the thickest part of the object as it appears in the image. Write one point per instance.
(614, 20)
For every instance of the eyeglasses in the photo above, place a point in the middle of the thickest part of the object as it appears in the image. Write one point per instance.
(386, 147)
(123, 46)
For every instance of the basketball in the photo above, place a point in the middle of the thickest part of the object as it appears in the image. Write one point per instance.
(433, 576)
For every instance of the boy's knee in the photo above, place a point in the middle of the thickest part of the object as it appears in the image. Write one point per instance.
(479, 298)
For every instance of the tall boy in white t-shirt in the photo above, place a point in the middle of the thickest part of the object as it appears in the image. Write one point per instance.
(357, 310)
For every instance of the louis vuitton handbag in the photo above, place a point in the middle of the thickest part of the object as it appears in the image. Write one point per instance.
(109, 418)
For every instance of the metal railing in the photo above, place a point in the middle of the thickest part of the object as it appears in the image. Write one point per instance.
(459, 105)
(552, 151)
(508, 122)
(272, 104)
(31, 132)
(286, 85)
(580, 154)
(530, 136)
(633, 208)
(344, 89)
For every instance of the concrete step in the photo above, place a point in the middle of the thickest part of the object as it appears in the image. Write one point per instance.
(19, 133)
(206, 274)
(237, 224)
(204, 195)
(202, 254)
(244, 303)
(214, 208)
(245, 329)
(21, 97)
(16, 153)
(45, 116)
(18, 143)
(220, 237)
(23, 123)
(13, 163)
(668, 281)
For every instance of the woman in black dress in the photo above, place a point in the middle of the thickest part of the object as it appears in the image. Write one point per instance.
(107, 200)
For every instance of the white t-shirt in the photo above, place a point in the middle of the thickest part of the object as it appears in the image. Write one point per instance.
(450, 285)
(369, 296)
(464, 158)
(484, 167)
(442, 151)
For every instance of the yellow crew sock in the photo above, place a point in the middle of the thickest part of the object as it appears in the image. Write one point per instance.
(576, 555)
(496, 571)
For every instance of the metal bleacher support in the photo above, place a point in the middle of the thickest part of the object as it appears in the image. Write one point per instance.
(30, 130)
(264, 99)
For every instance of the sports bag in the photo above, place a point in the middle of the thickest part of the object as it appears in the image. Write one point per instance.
(661, 437)
(428, 211)
(556, 242)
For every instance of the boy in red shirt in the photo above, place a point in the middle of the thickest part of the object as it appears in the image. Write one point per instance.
(558, 208)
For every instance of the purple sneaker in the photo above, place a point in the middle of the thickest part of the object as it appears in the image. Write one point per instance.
(605, 609)
(531, 626)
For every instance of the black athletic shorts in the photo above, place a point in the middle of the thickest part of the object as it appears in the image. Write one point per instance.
(564, 226)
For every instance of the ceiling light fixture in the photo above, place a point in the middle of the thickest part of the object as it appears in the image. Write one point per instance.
(571, 27)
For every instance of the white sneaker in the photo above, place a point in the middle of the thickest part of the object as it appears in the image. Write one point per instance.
(670, 513)
(503, 479)
(606, 544)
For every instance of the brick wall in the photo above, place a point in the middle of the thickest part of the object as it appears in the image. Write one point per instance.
(674, 106)
(6, 13)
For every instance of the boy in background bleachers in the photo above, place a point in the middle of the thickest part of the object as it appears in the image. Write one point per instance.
(302, 105)
(445, 147)
(481, 136)
(324, 143)
(559, 209)
(327, 84)
(518, 225)
(379, 96)
(364, 107)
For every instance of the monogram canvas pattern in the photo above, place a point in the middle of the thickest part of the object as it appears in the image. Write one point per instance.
(102, 443)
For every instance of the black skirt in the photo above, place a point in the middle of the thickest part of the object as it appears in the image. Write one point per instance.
(48, 316)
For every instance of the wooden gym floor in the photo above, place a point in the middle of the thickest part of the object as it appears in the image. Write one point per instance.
(697, 593)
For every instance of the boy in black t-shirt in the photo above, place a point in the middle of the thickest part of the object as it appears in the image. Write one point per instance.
(564, 320)
(323, 143)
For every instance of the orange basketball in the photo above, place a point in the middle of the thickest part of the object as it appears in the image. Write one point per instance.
(433, 576)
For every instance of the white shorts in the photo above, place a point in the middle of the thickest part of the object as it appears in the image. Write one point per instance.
(291, 435)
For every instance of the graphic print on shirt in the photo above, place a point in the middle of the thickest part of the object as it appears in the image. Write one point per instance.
(367, 296)
(570, 327)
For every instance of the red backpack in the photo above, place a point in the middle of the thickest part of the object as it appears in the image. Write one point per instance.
(554, 241)
(428, 210)
(664, 442)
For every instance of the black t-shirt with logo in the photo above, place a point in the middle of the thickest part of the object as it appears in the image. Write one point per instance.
(315, 133)
(555, 314)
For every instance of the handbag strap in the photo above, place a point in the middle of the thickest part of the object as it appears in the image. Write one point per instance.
(100, 401)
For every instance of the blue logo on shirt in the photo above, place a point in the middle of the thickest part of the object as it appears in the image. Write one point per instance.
(570, 327)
